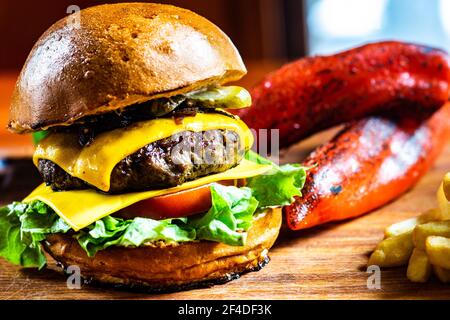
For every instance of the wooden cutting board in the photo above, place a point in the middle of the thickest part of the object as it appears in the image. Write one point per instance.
(328, 262)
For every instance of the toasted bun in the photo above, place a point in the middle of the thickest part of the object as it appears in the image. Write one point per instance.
(171, 267)
(112, 56)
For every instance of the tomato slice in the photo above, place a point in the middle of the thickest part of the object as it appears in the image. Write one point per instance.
(176, 205)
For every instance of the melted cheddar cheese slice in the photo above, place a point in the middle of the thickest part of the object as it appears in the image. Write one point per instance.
(94, 163)
(81, 208)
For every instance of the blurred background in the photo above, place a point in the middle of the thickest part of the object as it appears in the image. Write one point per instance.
(261, 29)
(268, 33)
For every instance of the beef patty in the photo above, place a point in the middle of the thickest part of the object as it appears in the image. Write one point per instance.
(164, 163)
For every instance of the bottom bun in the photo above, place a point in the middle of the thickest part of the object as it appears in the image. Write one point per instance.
(171, 267)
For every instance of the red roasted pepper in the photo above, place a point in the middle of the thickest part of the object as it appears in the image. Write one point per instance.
(315, 93)
(366, 165)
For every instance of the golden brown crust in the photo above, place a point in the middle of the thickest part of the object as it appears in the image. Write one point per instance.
(119, 55)
(178, 266)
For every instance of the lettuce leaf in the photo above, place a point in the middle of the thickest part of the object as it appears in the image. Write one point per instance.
(111, 231)
(230, 215)
(278, 186)
(22, 227)
(256, 158)
(38, 136)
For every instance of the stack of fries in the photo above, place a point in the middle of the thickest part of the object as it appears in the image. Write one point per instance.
(422, 243)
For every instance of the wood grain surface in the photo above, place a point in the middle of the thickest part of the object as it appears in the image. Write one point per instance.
(328, 262)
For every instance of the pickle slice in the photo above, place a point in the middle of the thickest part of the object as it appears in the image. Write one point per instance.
(230, 97)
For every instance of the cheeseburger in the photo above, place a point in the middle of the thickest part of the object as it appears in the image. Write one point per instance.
(148, 180)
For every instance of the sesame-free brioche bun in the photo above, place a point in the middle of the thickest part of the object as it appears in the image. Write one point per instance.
(111, 56)
(166, 267)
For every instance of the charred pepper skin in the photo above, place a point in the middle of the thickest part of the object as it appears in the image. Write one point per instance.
(316, 93)
(366, 165)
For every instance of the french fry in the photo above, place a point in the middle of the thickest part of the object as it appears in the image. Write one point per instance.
(435, 228)
(401, 227)
(446, 185)
(424, 241)
(442, 274)
(419, 267)
(444, 203)
(409, 224)
(438, 250)
(394, 251)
